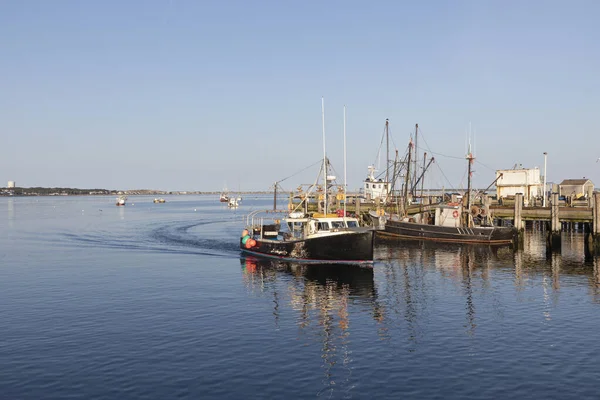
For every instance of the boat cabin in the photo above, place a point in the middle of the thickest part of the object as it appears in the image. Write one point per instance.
(448, 215)
(374, 188)
(300, 226)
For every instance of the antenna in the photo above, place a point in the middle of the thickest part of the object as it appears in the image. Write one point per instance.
(345, 182)
(324, 157)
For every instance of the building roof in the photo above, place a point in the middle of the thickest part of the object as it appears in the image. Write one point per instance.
(575, 181)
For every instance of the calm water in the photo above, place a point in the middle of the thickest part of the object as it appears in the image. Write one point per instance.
(154, 301)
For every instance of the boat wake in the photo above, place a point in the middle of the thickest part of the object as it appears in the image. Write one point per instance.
(178, 237)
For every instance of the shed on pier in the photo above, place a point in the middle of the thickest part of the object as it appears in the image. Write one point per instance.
(576, 188)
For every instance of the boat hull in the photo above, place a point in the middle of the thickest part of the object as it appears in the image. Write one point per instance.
(486, 235)
(347, 248)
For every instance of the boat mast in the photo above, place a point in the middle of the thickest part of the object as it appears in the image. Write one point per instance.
(324, 157)
(414, 178)
(387, 143)
(407, 178)
(470, 159)
(345, 182)
(275, 198)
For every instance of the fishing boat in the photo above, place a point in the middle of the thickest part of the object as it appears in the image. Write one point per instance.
(159, 200)
(224, 197)
(297, 235)
(234, 202)
(458, 222)
(316, 238)
(121, 200)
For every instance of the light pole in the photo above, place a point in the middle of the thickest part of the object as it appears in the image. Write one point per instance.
(545, 194)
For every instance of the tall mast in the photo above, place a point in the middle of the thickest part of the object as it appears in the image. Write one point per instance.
(324, 157)
(422, 176)
(414, 178)
(345, 182)
(407, 178)
(470, 159)
(387, 152)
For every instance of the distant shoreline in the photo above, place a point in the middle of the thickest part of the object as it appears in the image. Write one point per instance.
(40, 191)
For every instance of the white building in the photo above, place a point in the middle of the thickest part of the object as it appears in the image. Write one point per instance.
(523, 180)
(10, 185)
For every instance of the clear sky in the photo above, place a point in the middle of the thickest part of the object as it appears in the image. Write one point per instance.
(195, 95)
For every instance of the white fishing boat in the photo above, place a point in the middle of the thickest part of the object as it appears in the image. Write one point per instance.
(121, 200)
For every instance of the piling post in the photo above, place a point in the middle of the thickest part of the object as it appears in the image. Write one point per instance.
(554, 238)
(519, 225)
(593, 239)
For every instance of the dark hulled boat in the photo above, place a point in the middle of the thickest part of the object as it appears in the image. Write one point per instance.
(326, 239)
(496, 235)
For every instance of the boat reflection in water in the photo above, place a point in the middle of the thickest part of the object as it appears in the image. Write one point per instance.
(417, 270)
(324, 299)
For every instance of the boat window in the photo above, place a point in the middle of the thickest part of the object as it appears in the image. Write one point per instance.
(323, 226)
(367, 185)
(337, 224)
(352, 224)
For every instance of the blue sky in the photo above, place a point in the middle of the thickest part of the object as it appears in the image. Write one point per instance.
(195, 95)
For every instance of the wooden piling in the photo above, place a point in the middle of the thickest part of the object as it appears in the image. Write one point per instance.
(594, 237)
(554, 233)
(518, 223)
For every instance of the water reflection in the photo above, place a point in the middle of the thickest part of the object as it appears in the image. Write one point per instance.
(413, 270)
(421, 294)
(11, 213)
(323, 298)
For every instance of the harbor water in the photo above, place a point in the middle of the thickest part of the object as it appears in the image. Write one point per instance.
(154, 301)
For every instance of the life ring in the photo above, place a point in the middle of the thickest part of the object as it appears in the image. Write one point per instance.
(455, 213)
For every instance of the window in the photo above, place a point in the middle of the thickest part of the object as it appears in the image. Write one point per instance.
(323, 226)
(337, 224)
(352, 224)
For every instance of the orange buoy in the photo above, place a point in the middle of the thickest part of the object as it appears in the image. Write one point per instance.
(244, 232)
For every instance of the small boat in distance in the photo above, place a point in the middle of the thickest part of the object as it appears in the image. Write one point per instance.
(121, 200)
(224, 197)
(234, 202)
(161, 200)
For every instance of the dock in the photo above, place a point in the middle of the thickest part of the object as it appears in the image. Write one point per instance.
(556, 217)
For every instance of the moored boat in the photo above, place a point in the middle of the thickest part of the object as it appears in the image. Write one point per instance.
(445, 225)
(447, 222)
(159, 200)
(121, 200)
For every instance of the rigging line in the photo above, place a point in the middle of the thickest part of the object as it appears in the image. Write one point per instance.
(433, 152)
(378, 157)
(491, 169)
(444, 175)
(302, 170)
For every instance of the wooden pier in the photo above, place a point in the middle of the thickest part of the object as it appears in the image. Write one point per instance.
(555, 218)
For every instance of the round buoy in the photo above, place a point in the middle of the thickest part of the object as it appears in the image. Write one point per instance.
(455, 214)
